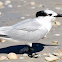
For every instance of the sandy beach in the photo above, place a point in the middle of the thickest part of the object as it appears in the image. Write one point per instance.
(19, 10)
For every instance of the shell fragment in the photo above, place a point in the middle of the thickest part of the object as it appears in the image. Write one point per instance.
(51, 58)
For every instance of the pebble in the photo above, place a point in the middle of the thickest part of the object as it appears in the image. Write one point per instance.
(33, 7)
(2, 40)
(25, 55)
(61, 58)
(57, 34)
(19, 6)
(1, 5)
(12, 56)
(0, 13)
(45, 54)
(56, 54)
(22, 17)
(58, 8)
(59, 51)
(3, 57)
(60, 54)
(7, 2)
(10, 6)
(32, 3)
(56, 23)
(58, 4)
(55, 42)
(40, 6)
(51, 57)
(24, 1)
(21, 58)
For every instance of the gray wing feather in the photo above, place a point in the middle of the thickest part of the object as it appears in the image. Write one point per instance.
(22, 35)
(27, 30)
(27, 25)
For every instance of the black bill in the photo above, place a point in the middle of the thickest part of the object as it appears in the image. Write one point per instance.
(59, 15)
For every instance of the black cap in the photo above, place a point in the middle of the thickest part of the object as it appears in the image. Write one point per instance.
(41, 13)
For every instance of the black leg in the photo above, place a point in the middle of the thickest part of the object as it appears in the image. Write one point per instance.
(30, 51)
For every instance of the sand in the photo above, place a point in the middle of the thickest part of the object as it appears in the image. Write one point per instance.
(19, 10)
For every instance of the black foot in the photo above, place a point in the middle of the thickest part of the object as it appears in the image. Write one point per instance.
(31, 54)
(34, 55)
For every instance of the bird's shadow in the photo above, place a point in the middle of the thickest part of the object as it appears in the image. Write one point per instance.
(19, 49)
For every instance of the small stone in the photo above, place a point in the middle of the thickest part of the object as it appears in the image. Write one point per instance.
(56, 23)
(53, 57)
(3, 57)
(2, 40)
(60, 54)
(49, 59)
(25, 55)
(21, 58)
(61, 58)
(18, 5)
(7, 2)
(57, 34)
(10, 6)
(12, 56)
(45, 54)
(58, 4)
(58, 8)
(0, 13)
(1, 5)
(56, 54)
(40, 6)
(22, 17)
(25, 1)
(32, 3)
(55, 42)
(58, 51)
(33, 7)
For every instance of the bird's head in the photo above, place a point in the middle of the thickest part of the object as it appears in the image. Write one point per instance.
(48, 13)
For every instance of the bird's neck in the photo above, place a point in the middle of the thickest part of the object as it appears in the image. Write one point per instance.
(45, 22)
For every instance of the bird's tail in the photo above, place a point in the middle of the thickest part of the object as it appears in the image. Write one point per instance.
(3, 33)
(4, 30)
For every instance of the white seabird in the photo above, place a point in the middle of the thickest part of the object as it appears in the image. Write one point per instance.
(30, 30)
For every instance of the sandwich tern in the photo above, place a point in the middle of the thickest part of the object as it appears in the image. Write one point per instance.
(30, 30)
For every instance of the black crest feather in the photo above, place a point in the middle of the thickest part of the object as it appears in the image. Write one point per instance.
(41, 13)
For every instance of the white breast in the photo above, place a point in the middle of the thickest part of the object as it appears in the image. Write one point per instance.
(45, 22)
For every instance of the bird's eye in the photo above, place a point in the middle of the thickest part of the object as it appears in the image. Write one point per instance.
(49, 14)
